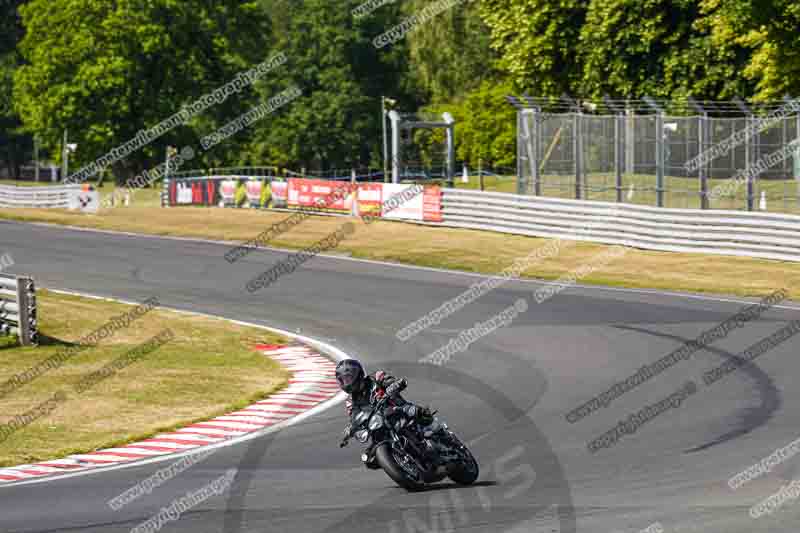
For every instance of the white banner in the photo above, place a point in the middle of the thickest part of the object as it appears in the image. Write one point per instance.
(410, 209)
(86, 201)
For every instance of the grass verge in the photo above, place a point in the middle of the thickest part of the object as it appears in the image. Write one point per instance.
(207, 369)
(469, 250)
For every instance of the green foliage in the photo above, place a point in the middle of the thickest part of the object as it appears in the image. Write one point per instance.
(8, 341)
(590, 48)
(450, 55)
(658, 48)
(536, 41)
(336, 123)
(768, 29)
(114, 67)
(485, 127)
(15, 147)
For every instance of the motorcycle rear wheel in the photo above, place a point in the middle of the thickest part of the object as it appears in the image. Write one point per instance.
(386, 458)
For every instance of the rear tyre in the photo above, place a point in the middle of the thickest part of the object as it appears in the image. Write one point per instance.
(407, 476)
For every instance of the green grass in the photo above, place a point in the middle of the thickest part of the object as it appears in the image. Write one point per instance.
(209, 368)
(8, 341)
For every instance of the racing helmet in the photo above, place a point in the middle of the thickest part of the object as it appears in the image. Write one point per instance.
(350, 374)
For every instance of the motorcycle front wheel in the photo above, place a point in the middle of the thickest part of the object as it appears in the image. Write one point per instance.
(400, 467)
(467, 472)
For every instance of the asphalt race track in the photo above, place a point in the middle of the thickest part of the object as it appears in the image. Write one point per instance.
(507, 395)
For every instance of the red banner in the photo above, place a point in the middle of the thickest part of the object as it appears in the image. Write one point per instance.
(326, 195)
(432, 204)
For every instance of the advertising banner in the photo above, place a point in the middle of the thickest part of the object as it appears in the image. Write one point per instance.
(184, 193)
(280, 193)
(432, 204)
(85, 201)
(319, 194)
(411, 209)
(228, 192)
(254, 192)
(370, 197)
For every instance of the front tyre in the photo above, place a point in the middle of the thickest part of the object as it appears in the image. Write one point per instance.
(399, 467)
(467, 471)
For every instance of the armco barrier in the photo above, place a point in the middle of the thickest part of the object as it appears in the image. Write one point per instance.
(769, 236)
(18, 308)
(38, 197)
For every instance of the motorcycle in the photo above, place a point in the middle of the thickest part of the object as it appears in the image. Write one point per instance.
(411, 455)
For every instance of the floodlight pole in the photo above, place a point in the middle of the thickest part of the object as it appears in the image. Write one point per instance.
(64, 157)
(451, 147)
(394, 116)
(385, 140)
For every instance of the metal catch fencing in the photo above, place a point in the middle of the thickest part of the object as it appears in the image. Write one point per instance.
(18, 313)
(765, 235)
(642, 157)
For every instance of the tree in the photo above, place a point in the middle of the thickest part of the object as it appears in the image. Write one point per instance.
(14, 145)
(336, 123)
(115, 67)
(769, 29)
(659, 48)
(536, 41)
(450, 56)
(485, 127)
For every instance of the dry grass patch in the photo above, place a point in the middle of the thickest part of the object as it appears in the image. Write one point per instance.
(207, 369)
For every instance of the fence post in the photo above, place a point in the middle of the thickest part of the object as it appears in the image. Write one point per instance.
(619, 148)
(576, 150)
(519, 146)
(659, 149)
(703, 133)
(537, 139)
(702, 142)
(629, 136)
(748, 155)
(660, 159)
(529, 141)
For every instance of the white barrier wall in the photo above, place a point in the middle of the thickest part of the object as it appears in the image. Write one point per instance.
(38, 197)
(770, 236)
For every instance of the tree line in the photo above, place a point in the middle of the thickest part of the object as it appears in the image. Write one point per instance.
(107, 69)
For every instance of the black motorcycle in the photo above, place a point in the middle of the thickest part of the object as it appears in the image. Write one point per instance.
(411, 455)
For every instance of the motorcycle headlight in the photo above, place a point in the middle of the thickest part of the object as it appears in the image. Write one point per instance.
(362, 436)
(376, 422)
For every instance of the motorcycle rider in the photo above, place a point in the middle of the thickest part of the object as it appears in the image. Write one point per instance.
(365, 390)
